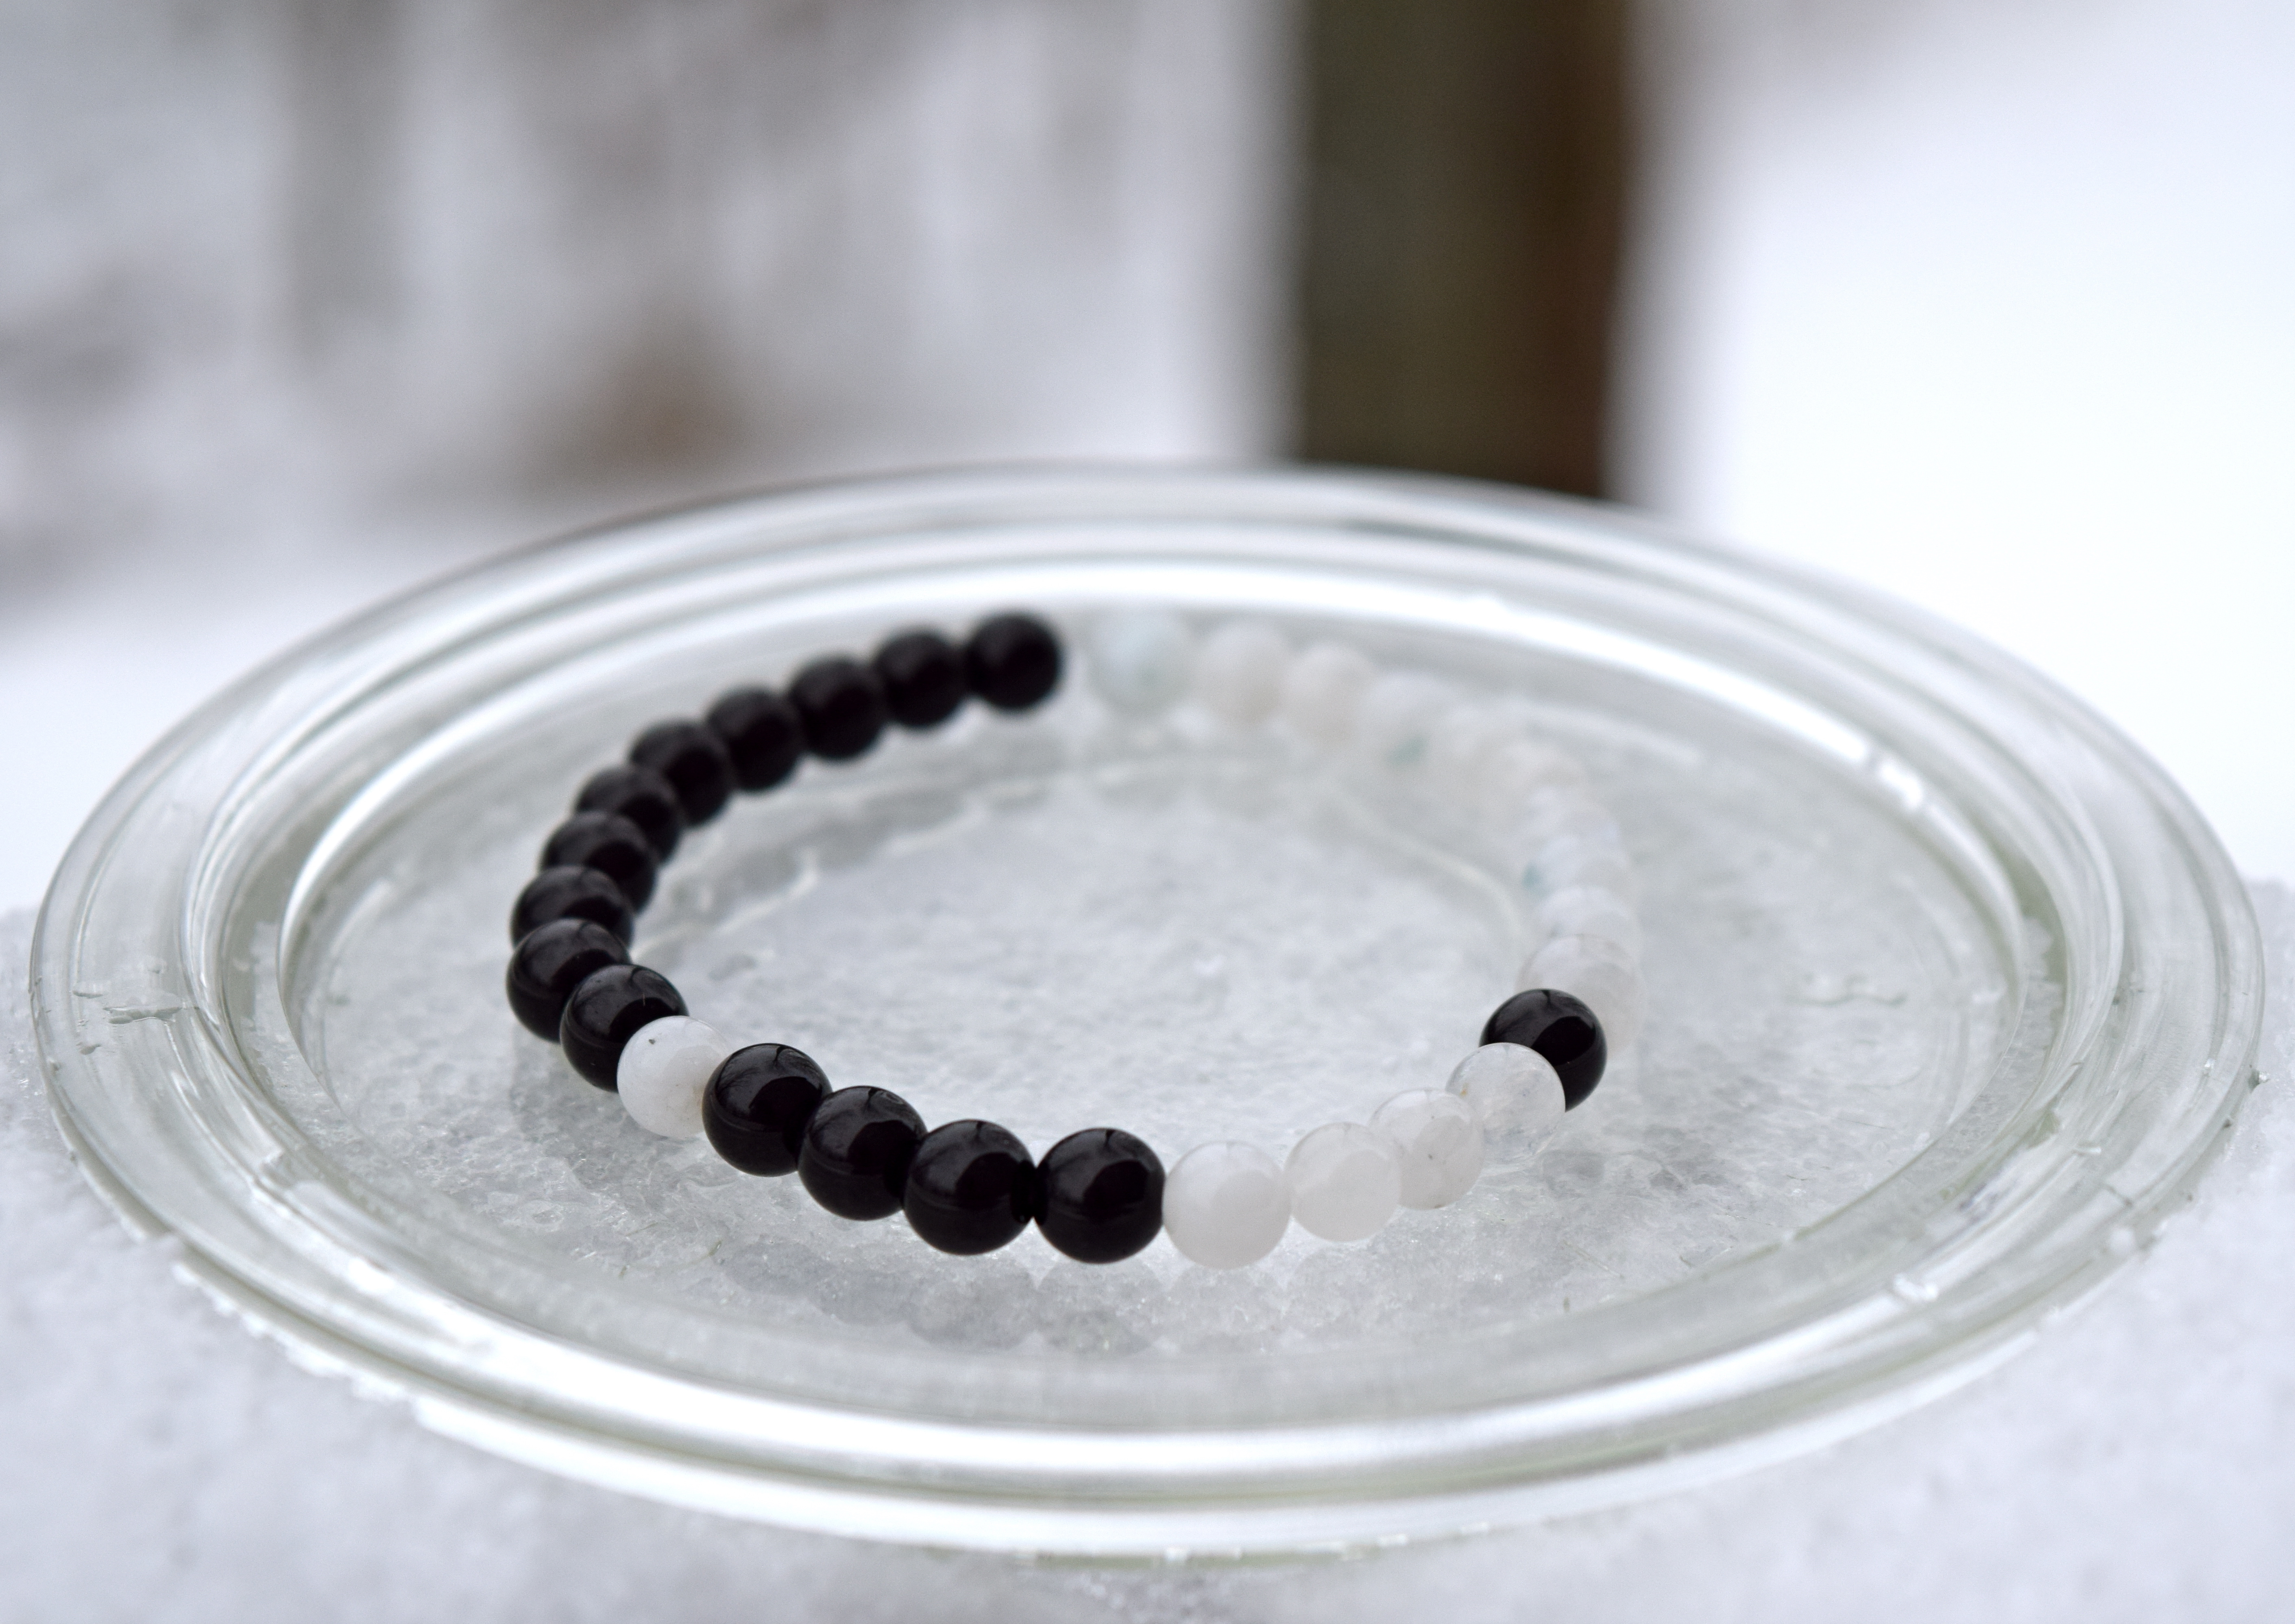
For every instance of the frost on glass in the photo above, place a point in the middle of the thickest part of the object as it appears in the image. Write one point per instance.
(1078, 919)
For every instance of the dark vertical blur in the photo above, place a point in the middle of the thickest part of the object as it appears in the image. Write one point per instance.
(1466, 165)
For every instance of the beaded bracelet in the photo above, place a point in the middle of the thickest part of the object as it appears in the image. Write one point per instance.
(1101, 1194)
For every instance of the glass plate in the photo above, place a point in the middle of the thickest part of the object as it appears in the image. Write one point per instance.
(1952, 996)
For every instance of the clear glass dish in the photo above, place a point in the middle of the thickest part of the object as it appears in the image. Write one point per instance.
(1952, 997)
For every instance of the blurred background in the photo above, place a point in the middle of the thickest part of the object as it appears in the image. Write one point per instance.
(1986, 304)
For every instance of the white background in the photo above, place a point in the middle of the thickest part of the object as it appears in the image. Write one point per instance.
(1993, 306)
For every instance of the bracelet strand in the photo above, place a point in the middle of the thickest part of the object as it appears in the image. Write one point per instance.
(1102, 1194)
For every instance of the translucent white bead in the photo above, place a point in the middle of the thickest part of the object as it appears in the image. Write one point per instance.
(1515, 1095)
(1238, 670)
(1345, 1179)
(1461, 738)
(1322, 691)
(1515, 770)
(1140, 659)
(664, 1068)
(1552, 813)
(1440, 1144)
(1396, 716)
(1582, 860)
(1602, 973)
(1588, 911)
(1226, 1204)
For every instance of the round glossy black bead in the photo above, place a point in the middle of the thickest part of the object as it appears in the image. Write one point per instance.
(605, 1011)
(693, 759)
(757, 1104)
(570, 892)
(923, 677)
(762, 735)
(644, 797)
(610, 844)
(842, 706)
(550, 962)
(1012, 661)
(856, 1152)
(1101, 1194)
(971, 1188)
(1561, 1028)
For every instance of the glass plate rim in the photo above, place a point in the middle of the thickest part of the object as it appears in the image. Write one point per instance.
(1359, 499)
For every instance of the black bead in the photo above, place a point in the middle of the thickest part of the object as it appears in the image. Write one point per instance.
(610, 844)
(757, 1104)
(971, 1188)
(842, 706)
(923, 677)
(1012, 661)
(1560, 1027)
(644, 797)
(1101, 1194)
(693, 759)
(570, 892)
(763, 736)
(856, 1152)
(550, 962)
(605, 1012)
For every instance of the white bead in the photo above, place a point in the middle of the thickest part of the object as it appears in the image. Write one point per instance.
(1516, 1096)
(1345, 1179)
(1582, 860)
(1549, 814)
(1226, 1204)
(1602, 973)
(1396, 717)
(1438, 1141)
(1517, 769)
(1140, 659)
(1463, 738)
(1322, 691)
(1238, 669)
(1588, 911)
(663, 1070)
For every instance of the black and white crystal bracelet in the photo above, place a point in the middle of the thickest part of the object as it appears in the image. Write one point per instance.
(1101, 1194)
